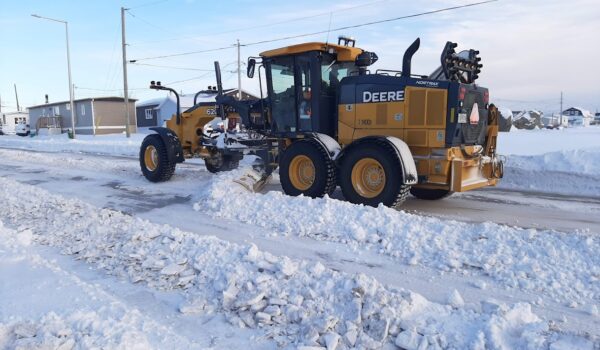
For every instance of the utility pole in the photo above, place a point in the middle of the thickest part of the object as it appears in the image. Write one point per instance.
(17, 97)
(239, 71)
(72, 102)
(561, 109)
(125, 91)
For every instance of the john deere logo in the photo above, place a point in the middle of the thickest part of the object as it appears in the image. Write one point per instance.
(383, 96)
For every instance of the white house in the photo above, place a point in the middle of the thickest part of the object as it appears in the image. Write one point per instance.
(10, 119)
(578, 116)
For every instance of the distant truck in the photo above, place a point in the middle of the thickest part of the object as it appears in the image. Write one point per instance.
(22, 129)
(9, 121)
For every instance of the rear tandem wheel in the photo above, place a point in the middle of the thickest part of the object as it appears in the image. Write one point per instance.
(372, 174)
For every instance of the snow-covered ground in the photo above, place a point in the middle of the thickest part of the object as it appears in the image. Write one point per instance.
(293, 303)
(536, 160)
(110, 260)
(116, 144)
(565, 161)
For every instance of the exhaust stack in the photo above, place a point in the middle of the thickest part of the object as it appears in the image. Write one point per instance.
(408, 54)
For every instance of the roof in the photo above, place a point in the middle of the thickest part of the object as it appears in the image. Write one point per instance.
(108, 99)
(583, 111)
(344, 53)
(15, 113)
(150, 102)
(187, 101)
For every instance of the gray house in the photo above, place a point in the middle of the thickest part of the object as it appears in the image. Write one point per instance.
(94, 116)
(157, 111)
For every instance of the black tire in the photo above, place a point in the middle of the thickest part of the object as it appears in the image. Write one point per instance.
(430, 194)
(394, 192)
(324, 181)
(163, 169)
(227, 163)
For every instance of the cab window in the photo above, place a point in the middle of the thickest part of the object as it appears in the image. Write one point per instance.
(284, 94)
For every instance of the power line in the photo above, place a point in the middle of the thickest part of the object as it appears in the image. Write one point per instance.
(148, 22)
(171, 67)
(325, 31)
(372, 23)
(261, 25)
(182, 54)
(196, 78)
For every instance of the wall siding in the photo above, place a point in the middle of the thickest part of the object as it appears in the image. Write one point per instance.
(112, 114)
(141, 116)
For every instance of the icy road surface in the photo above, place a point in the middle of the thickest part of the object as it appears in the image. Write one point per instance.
(116, 183)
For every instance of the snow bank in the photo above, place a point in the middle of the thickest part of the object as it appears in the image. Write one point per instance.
(81, 316)
(116, 144)
(540, 141)
(579, 161)
(79, 330)
(570, 173)
(297, 302)
(517, 258)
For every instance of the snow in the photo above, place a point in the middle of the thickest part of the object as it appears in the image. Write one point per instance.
(540, 141)
(517, 258)
(281, 301)
(293, 302)
(114, 144)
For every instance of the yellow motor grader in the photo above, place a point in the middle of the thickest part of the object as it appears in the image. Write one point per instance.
(326, 120)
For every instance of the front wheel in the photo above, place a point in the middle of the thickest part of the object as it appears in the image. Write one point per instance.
(225, 163)
(430, 194)
(306, 168)
(372, 174)
(154, 159)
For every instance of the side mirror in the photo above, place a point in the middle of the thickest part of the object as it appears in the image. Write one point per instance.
(251, 66)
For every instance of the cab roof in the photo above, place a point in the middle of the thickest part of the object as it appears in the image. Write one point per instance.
(344, 53)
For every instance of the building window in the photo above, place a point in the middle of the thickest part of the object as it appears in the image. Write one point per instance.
(82, 109)
(68, 106)
(149, 113)
(56, 110)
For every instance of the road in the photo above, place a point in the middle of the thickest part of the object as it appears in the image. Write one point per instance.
(116, 183)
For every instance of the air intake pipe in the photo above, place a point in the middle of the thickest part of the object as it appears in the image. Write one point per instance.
(408, 54)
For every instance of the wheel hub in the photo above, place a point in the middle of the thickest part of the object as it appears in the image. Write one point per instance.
(302, 172)
(368, 177)
(151, 158)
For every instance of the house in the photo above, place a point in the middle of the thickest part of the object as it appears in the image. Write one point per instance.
(94, 116)
(156, 111)
(578, 116)
(10, 119)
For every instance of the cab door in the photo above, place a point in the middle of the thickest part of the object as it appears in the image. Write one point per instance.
(282, 94)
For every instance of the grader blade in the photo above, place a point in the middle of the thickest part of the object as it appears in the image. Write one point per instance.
(253, 181)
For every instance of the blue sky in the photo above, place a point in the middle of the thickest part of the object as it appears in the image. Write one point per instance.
(531, 50)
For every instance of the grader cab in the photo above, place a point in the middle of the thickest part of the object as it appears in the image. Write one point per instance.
(327, 120)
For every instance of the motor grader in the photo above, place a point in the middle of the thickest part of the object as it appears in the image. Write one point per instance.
(326, 120)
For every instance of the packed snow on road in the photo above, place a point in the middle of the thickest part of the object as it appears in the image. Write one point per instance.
(94, 256)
